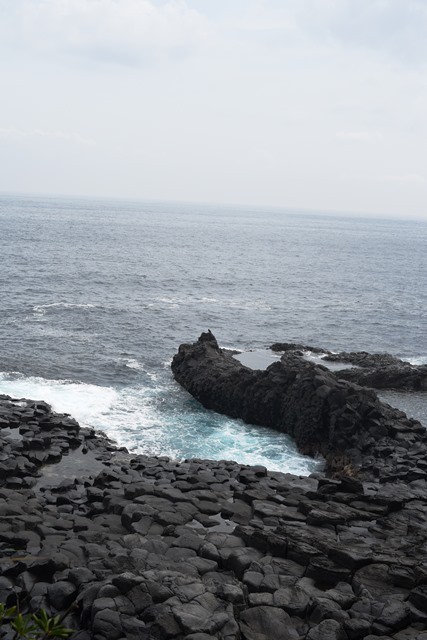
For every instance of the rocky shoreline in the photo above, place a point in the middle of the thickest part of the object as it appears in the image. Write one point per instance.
(375, 370)
(325, 414)
(142, 547)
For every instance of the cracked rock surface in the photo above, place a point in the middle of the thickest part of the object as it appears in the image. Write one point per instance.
(142, 547)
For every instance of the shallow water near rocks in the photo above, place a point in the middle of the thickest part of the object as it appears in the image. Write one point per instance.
(73, 465)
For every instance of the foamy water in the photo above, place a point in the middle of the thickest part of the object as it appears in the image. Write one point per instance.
(150, 420)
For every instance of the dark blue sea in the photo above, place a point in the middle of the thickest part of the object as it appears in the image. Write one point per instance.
(97, 295)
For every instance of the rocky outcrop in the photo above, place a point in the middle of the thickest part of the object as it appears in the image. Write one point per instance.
(381, 371)
(137, 547)
(324, 414)
(375, 370)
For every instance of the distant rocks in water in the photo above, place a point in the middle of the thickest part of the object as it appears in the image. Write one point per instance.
(326, 415)
(382, 371)
(295, 346)
(375, 370)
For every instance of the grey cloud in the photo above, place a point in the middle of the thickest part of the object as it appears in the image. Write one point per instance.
(129, 32)
(390, 27)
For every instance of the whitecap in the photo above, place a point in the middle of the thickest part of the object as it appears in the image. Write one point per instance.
(132, 363)
(135, 365)
(41, 309)
(162, 420)
(172, 301)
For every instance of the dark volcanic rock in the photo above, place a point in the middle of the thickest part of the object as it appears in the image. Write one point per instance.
(260, 623)
(403, 376)
(375, 370)
(139, 547)
(324, 414)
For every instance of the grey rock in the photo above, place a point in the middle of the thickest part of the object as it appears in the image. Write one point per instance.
(192, 618)
(125, 581)
(107, 624)
(264, 623)
(133, 628)
(178, 554)
(418, 597)
(203, 565)
(327, 630)
(61, 595)
(293, 600)
(357, 628)
(261, 599)
(188, 541)
(395, 615)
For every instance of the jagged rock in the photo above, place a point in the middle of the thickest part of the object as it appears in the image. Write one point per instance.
(377, 370)
(324, 414)
(380, 371)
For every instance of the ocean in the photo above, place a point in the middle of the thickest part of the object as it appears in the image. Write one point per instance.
(97, 295)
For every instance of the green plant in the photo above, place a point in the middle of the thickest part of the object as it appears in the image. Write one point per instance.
(34, 626)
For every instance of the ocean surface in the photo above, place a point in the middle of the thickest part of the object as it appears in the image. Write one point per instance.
(97, 295)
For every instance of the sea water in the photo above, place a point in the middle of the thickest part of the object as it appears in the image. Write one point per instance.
(97, 295)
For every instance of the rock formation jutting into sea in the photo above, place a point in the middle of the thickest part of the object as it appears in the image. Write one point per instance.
(132, 546)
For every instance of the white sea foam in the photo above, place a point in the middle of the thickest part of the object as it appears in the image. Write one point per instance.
(246, 303)
(152, 420)
(231, 348)
(249, 304)
(132, 363)
(41, 309)
(82, 401)
(172, 301)
(329, 364)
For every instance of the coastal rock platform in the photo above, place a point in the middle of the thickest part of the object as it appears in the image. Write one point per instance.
(324, 414)
(131, 546)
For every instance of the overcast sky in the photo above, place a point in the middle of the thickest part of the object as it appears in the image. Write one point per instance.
(311, 104)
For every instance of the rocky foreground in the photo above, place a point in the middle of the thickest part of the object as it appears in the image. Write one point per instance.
(138, 547)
